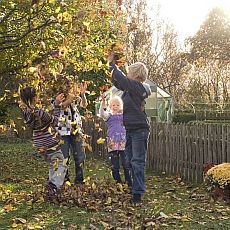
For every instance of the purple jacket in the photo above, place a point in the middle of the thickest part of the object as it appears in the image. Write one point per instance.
(116, 137)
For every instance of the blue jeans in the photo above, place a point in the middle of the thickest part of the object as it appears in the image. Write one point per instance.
(74, 143)
(116, 156)
(135, 150)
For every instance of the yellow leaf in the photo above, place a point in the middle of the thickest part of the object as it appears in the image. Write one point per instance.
(42, 149)
(61, 142)
(68, 183)
(92, 93)
(100, 141)
(15, 95)
(86, 24)
(14, 225)
(99, 64)
(94, 186)
(74, 132)
(55, 165)
(58, 9)
(109, 200)
(50, 130)
(62, 119)
(32, 69)
(73, 123)
(87, 179)
(119, 185)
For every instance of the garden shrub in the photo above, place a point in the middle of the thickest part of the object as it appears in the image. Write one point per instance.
(183, 116)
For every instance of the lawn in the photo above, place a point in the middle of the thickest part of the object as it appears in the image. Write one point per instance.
(169, 203)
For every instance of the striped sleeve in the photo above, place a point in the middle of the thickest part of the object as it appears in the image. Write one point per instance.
(47, 118)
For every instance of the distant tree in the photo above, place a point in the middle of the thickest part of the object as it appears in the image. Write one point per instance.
(212, 41)
(210, 58)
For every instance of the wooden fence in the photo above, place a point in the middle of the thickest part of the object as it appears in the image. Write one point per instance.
(177, 149)
(184, 149)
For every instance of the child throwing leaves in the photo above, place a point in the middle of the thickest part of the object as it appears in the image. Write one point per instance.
(115, 136)
(70, 128)
(135, 91)
(43, 138)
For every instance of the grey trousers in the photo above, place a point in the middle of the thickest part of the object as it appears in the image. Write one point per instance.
(57, 168)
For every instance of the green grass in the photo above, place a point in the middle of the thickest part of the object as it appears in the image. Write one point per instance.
(169, 203)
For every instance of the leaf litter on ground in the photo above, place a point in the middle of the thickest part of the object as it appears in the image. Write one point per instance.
(169, 203)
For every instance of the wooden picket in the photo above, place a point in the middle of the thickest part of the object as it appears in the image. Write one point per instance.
(177, 149)
(183, 150)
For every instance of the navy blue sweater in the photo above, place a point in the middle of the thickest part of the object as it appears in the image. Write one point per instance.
(134, 95)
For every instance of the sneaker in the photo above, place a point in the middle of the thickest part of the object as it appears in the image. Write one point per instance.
(136, 198)
(79, 182)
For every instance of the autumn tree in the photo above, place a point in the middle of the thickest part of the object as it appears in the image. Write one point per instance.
(41, 40)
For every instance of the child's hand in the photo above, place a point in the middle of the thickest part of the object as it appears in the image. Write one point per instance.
(60, 98)
(110, 57)
(102, 96)
(83, 87)
(73, 90)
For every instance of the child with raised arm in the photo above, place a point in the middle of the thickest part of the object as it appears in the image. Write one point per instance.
(43, 137)
(70, 128)
(115, 136)
(135, 91)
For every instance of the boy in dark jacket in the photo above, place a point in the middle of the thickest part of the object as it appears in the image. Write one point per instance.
(135, 91)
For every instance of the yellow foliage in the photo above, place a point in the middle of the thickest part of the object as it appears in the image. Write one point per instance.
(220, 174)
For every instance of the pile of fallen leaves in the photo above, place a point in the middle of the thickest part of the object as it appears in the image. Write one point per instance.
(95, 195)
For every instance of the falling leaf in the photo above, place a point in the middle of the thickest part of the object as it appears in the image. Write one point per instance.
(50, 130)
(15, 95)
(101, 141)
(61, 142)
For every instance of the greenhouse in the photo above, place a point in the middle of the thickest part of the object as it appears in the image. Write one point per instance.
(159, 106)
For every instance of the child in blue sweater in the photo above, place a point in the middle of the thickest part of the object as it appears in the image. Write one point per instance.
(135, 91)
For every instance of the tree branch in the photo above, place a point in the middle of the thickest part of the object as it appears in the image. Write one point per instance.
(47, 23)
